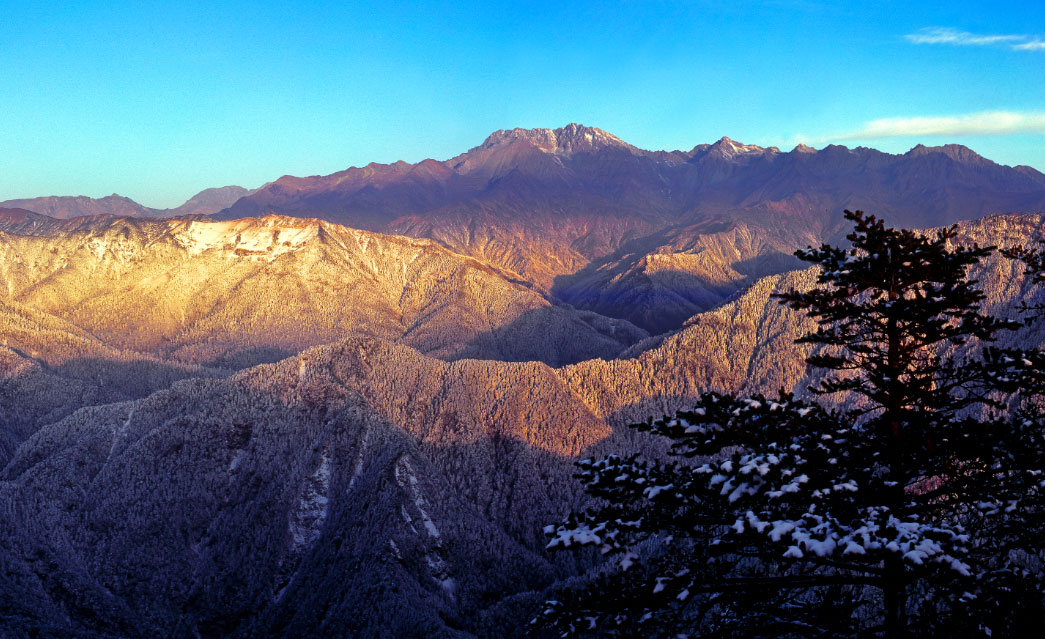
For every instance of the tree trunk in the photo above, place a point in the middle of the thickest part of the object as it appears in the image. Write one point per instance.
(893, 587)
(893, 590)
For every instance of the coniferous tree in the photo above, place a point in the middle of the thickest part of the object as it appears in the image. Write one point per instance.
(1035, 263)
(1034, 259)
(910, 506)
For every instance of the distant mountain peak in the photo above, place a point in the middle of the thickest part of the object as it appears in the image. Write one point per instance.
(71, 206)
(209, 201)
(802, 148)
(729, 148)
(956, 152)
(568, 139)
(65, 207)
(11, 216)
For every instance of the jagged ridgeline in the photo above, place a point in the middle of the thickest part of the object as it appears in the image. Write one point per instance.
(347, 405)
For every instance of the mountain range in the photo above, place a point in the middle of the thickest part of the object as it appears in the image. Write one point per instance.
(347, 405)
(206, 202)
(605, 226)
(594, 222)
(576, 174)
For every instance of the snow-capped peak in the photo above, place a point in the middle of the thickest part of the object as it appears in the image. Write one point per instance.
(570, 138)
(730, 148)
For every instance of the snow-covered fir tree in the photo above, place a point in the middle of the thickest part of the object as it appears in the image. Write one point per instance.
(906, 502)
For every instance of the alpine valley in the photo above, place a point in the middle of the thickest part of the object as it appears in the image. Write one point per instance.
(347, 405)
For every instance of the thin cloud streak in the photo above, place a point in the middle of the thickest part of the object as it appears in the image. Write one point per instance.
(944, 35)
(1033, 45)
(989, 123)
(955, 37)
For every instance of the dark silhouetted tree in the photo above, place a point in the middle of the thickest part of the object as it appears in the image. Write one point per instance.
(910, 505)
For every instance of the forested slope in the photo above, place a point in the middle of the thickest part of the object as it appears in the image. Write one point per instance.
(233, 294)
(361, 475)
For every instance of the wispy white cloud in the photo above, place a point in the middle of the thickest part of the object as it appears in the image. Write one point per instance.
(944, 35)
(988, 123)
(1033, 45)
(955, 37)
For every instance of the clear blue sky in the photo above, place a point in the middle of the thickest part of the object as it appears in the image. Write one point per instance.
(159, 100)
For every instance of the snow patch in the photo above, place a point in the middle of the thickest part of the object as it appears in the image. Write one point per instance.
(266, 238)
(306, 522)
(405, 475)
(360, 454)
(237, 459)
(363, 240)
(407, 479)
(119, 433)
(440, 573)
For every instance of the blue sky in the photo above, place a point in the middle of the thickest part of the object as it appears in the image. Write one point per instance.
(159, 100)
